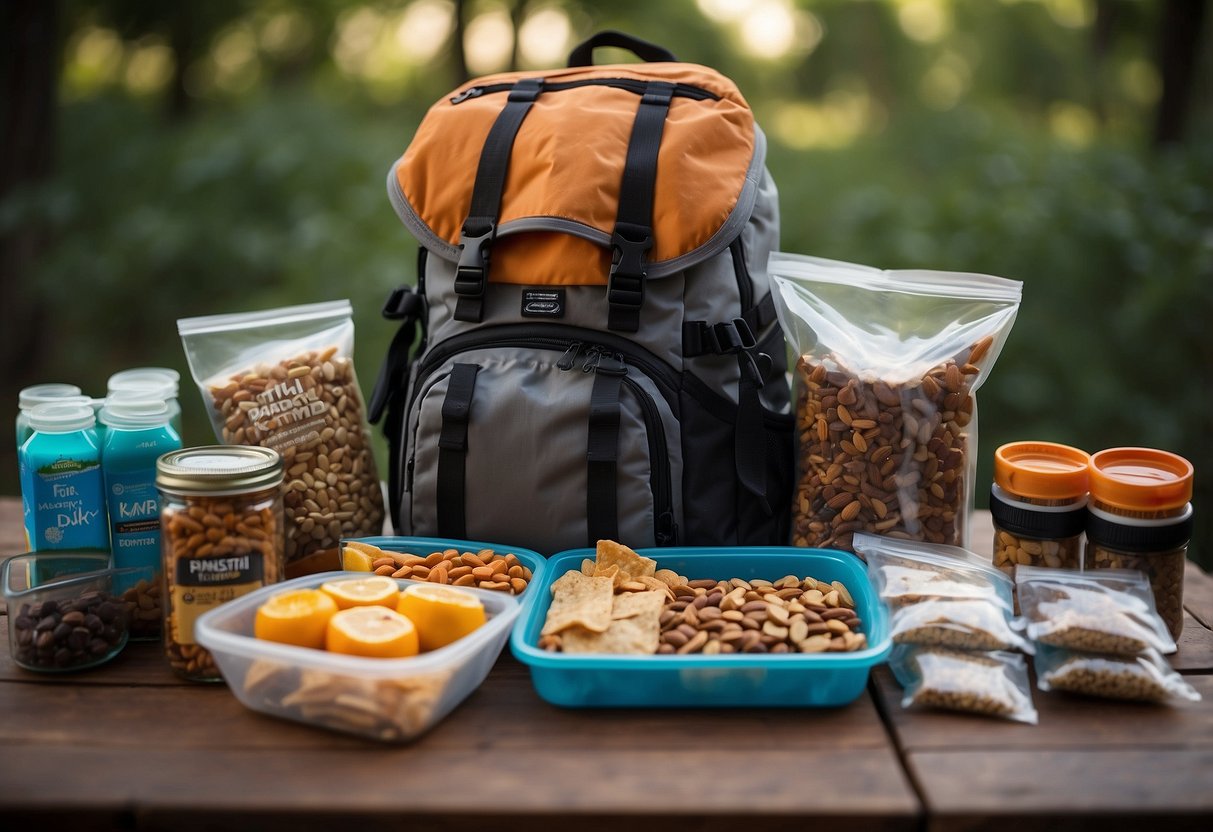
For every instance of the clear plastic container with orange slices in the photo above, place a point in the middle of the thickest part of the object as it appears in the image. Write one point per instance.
(387, 699)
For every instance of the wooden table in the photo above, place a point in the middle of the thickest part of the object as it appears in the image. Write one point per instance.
(129, 746)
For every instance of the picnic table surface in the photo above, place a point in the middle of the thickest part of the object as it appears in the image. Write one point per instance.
(129, 745)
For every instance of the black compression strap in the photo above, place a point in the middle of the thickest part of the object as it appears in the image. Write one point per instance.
(633, 234)
(602, 454)
(452, 451)
(480, 227)
(702, 338)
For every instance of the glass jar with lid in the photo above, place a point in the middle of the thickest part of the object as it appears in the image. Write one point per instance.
(221, 537)
(1141, 518)
(1038, 504)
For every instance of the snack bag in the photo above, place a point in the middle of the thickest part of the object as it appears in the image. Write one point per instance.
(1104, 611)
(886, 419)
(910, 572)
(284, 379)
(961, 625)
(1142, 678)
(990, 684)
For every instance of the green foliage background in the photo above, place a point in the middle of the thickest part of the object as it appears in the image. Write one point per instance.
(274, 195)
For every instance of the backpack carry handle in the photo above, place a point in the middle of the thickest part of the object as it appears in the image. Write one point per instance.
(583, 53)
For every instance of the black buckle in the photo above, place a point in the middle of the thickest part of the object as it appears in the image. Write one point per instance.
(402, 303)
(625, 283)
(472, 271)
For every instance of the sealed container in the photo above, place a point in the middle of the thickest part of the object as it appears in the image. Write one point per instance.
(139, 433)
(63, 612)
(736, 680)
(392, 700)
(221, 538)
(156, 382)
(1038, 502)
(27, 400)
(63, 479)
(1141, 518)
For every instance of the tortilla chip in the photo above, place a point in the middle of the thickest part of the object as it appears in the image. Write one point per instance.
(633, 604)
(611, 553)
(613, 571)
(669, 577)
(579, 600)
(587, 567)
(655, 584)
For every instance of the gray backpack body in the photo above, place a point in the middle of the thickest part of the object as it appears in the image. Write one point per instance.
(591, 350)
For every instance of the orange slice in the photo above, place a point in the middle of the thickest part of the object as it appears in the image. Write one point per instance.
(356, 560)
(371, 631)
(442, 614)
(375, 591)
(297, 617)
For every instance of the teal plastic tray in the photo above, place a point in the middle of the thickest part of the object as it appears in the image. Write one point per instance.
(736, 680)
(423, 546)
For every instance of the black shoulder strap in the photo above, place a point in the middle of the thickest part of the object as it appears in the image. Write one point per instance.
(633, 234)
(480, 227)
(452, 451)
(602, 453)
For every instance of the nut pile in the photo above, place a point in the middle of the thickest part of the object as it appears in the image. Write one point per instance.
(882, 457)
(310, 410)
(72, 632)
(1165, 571)
(1010, 551)
(143, 609)
(388, 709)
(485, 569)
(790, 615)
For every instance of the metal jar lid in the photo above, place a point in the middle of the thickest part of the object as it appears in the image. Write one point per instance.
(219, 469)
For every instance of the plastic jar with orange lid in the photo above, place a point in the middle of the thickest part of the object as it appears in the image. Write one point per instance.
(1140, 518)
(1039, 505)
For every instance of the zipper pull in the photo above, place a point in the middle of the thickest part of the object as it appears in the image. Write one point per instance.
(569, 358)
(592, 356)
(470, 92)
(607, 363)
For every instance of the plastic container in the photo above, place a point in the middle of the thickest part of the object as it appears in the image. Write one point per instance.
(64, 480)
(63, 613)
(1039, 505)
(27, 400)
(393, 700)
(221, 537)
(424, 546)
(737, 680)
(1140, 518)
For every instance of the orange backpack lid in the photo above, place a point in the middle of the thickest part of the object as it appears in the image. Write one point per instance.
(562, 187)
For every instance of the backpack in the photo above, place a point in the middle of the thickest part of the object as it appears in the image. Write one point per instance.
(598, 355)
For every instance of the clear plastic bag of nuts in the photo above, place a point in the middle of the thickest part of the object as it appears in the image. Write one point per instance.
(962, 625)
(886, 419)
(990, 684)
(284, 379)
(1142, 678)
(1105, 611)
(908, 572)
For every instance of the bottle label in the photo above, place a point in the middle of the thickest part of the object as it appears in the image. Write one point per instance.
(201, 584)
(134, 514)
(69, 510)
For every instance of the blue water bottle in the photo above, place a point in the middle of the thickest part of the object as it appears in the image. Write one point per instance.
(138, 432)
(27, 400)
(64, 479)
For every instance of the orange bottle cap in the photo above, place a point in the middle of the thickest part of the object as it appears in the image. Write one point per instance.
(1141, 479)
(1041, 470)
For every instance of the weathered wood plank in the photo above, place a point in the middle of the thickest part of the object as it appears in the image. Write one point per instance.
(866, 788)
(1198, 594)
(1104, 789)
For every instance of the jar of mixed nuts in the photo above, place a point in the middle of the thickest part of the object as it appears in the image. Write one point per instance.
(221, 537)
(1039, 505)
(1141, 518)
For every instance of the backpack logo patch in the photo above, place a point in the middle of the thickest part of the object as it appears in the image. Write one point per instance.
(543, 303)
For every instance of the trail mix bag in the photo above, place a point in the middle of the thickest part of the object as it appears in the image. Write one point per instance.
(284, 379)
(886, 419)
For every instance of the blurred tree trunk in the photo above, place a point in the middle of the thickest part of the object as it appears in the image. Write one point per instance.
(29, 65)
(1180, 32)
(183, 41)
(517, 18)
(459, 64)
(1107, 18)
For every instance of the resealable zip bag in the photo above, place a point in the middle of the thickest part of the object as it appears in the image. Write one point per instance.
(1103, 611)
(988, 684)
(284, 379)
(1142, 678)
(911, 572)
(888, 366)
